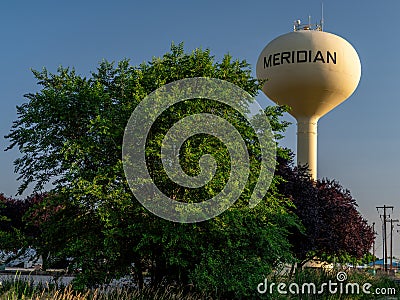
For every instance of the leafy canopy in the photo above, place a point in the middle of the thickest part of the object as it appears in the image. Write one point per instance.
(70, 134)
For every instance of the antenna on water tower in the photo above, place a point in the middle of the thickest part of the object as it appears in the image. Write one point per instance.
(312, 72)
(322, 16)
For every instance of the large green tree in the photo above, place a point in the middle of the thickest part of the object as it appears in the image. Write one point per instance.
(70, 133)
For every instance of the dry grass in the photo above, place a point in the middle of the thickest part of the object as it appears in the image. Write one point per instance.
(23, 290)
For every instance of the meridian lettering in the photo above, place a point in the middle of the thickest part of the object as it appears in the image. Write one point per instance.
(299, 56)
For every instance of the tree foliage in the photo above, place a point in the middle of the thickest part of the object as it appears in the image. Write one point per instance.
(15, 234)
(70, 133)
(333, 225)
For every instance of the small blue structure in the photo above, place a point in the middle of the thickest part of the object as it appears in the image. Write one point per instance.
(380, 262)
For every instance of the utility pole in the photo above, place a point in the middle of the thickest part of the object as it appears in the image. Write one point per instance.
(398, 262)
(391, 242)
(383, 244)
(373, 246)
(385, 216)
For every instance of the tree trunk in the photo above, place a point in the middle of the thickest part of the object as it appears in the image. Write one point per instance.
(292, 269)
(139, 273)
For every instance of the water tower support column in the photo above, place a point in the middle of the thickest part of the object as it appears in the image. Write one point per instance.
(307, 143)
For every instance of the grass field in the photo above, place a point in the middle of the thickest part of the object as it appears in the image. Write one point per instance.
(23, 289)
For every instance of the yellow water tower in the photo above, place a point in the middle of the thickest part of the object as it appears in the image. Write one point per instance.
(312, 72)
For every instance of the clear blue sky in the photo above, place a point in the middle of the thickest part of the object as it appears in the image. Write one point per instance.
(358, 141)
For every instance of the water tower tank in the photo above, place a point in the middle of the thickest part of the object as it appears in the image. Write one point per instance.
(312, 72)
